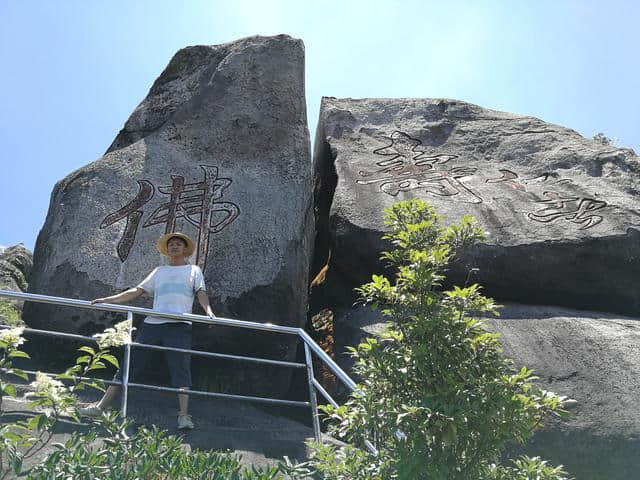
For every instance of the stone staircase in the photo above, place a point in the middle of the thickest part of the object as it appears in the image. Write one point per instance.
(260, 436)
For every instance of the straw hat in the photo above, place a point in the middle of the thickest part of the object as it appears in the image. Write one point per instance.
(163, 240)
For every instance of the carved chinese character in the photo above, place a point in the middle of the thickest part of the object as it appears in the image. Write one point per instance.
(509, 178)
(196, 203)
(133, 215)
(572, 209)
(410, 167)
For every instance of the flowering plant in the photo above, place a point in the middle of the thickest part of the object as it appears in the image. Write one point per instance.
(116, 336)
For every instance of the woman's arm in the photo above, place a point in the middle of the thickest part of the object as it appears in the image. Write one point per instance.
(121, 297)
(204, 303)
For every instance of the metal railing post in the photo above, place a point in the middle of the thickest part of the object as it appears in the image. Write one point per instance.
(312, 394)
(125, 368)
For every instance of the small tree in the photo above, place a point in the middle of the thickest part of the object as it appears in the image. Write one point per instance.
(437, 399)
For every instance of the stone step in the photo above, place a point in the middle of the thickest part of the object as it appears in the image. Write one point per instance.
(259, 437)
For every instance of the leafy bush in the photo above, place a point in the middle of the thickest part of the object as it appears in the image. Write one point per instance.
(437, 400)
(149, 454)
(9, 314)
(23, 439)
(106, 452)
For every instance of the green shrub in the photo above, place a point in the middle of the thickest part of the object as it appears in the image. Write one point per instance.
(437, 399)
(9, 315)
(107, 452)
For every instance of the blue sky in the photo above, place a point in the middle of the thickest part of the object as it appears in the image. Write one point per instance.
(73, 71)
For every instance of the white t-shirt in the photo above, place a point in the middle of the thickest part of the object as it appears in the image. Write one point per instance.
(173, 289)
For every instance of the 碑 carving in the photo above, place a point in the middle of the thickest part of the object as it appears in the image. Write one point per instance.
(409, 167)
(197, 203)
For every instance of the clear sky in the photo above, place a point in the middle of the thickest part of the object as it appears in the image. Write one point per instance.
(73, 70)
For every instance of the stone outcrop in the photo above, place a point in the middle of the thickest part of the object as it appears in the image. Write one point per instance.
(219, 149)
(593, 358)
(352, 326)
(563, 219)
(561, 211)
(15, 268)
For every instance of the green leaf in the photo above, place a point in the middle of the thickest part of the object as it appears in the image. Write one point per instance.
(87, 349)
(18, 373)
(83, 359)
(111, 359)
(11, 436)
(34, 422)
(18, 354)
(96, 366)
(9, 390)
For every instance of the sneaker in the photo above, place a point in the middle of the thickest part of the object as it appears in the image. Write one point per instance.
(570, 403)
(90, 410)
(185, 422)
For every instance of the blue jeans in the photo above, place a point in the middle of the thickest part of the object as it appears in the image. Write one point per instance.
(177, 335)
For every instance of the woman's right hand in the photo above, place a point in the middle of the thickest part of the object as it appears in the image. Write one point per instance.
(97, 300)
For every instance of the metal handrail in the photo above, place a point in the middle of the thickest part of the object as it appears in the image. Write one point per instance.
(310, 347)
(110, 307)
(227, 396)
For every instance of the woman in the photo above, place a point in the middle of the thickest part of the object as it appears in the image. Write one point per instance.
(173, 287)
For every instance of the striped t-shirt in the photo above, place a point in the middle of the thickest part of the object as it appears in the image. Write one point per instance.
(173, 289)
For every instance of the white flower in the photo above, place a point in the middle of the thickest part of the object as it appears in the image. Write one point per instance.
(53, 395)
(116, 336)
(45, 386)
(12, 336)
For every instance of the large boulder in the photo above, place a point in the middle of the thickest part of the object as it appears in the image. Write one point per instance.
(590, 357)
(561, 211)
(593, 358)
(219, 149)
(15, 269)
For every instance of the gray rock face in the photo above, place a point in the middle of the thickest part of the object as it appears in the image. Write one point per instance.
(219, 149)
(352, 326)
(562, 211)
(594, 359)
(15, 268)
(591, 357)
